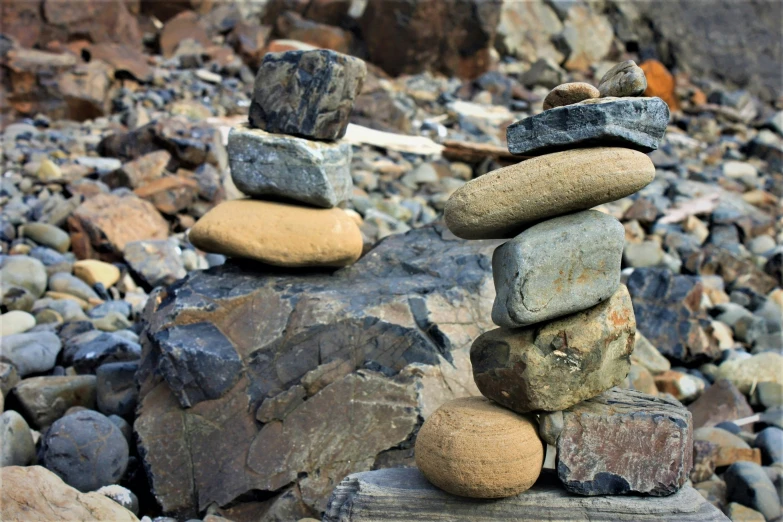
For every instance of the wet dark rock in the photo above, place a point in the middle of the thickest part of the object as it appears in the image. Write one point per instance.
(116, 388)
(98, 349)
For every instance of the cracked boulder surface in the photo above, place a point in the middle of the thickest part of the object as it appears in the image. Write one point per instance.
(337, 371)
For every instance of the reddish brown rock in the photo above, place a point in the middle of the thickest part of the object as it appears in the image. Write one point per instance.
(140, 171)
(292, 26)
(719, 403)
(249, 42)
(104, 224)
(30, 77)
(656, 436)
(171, 194)
(185, 25)
(704, 456)
(121, 58)
(85, 90)
(22, 21)
(660, 82)
(731, 448)
(97, 20)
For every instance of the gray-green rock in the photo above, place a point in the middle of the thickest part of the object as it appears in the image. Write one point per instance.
(264, 164)
(45, 399)
(558, 267)
(634, 123)
(47, 235)
(23, 271)
(554, 365)
(624, 79)
(306, 93)
(16, 441)
(70, 284)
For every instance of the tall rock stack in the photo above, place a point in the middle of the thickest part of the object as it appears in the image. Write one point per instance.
(567, 324)
(291, 163)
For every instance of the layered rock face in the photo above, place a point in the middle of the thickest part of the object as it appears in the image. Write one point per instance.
(341, 367)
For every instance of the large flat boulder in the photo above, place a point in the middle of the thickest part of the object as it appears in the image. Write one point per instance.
(337, 369)
(404, 495)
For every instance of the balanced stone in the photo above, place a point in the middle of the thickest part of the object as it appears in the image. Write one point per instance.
(552, 366)
(636, 123)
(306, 93)
(558, 267)
(279, 234)
(502, 203)
(313, 172)
(624, 441)
(474, 448)
(404, 495)
(569, 93)
(624, 79)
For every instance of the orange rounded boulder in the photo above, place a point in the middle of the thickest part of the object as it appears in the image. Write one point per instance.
(474, 448)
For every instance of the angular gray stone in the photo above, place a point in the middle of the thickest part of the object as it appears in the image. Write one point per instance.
(554, 365)
(558, 267)
(404, 495)
(624, 441)
(16, 441)
(264, 164)
(86, 450)
(32, 352)
(634, 123)
(624, 79)
(306, 93)
(157, 262)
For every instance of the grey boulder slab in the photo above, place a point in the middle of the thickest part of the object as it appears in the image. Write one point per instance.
(624, 441)
(558, 267)
(306, 93)
(634, 123)
(264, 164)
(404, 495)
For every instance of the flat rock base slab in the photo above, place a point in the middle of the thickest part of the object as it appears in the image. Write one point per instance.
(404, 495)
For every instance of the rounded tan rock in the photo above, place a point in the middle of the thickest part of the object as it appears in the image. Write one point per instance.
(92, 271)
(570, 93)
(475, 448)
(279, 234)
(502, 203)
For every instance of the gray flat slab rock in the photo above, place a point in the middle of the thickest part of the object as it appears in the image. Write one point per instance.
(634, 123)
(558, 267)
(404, 495)
(313, 172)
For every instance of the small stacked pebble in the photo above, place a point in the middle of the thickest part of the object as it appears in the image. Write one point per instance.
(567, 326)
(291, 163)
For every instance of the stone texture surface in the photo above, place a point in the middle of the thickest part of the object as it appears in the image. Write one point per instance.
(748, 484)
(264, 164)
(731, 448)
(306, 93)
(405, 495)
(474, 448)
(504, 202)
(668, 308)
(720, 402)
(636, 123)
(655, 434)
(16, 441)
(561, 266)
(35, 494)
(405, 315)
(279, 234)
(624, 79)
(569, 93)
(555, 365)
(32, 352)
(45, 399)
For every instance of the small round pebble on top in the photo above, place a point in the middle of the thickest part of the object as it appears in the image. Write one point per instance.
(569, 93)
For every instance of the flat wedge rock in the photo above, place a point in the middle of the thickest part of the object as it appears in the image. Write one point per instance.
(624, 441)
(404, 495)
(313, 172)
(279, 234)
(554, 365)
(561, 266)
(635, 123)
(475, 448)
(501, 204)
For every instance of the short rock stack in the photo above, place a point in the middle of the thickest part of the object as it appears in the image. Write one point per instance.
(289, 159)
(567, 324)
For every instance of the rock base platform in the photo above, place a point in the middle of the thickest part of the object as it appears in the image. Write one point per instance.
(403, 494)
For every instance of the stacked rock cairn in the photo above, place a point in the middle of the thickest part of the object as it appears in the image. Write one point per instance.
(549, 374)
(290, 161)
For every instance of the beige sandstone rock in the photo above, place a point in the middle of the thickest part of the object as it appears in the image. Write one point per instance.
(92, 271)
(569, 93)
(502, 203)
(279, 234)
(35, 494)
(475, 448)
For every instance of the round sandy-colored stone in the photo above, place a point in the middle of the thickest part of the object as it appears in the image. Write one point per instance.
(502, 203)
(279, 234)
(92, 271)
(570, 93)
(475, 448)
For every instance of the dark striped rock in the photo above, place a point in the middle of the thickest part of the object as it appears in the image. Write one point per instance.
(634, 123)
(306, 93)
(404, 495)
(624, 441)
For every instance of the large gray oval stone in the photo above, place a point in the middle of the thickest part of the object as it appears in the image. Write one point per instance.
(635, 123)
(557, 267)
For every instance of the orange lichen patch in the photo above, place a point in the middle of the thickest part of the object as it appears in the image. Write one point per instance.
(660, 82)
